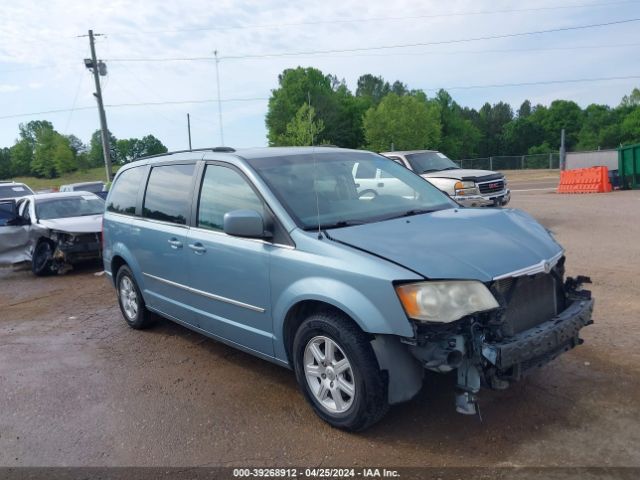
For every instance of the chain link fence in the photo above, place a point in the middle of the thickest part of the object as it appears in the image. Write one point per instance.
(513, 162)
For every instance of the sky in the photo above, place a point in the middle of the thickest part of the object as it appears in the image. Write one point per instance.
(42, 51)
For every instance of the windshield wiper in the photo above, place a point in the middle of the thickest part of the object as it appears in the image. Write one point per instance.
(412, 212)
(451, 168)
(338, 224)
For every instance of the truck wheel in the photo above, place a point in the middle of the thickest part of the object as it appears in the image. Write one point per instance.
(130, 300)
(42, 259)
(338, 372)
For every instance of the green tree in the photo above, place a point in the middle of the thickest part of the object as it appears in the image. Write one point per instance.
(76, 144)
(561, 114)
(406, 122)
(631, 127)
(152, 146)
(95, 155)
(304, 129)
(5, 163)
(600, 128)
(520, 134)
(525, 109)
(460, 137)
(331, 99)
(64, 158)
(132, 148)
(371, 88)
(491, 121)
(21, 157)
(399, 88)
(631, 100)
(43, 164)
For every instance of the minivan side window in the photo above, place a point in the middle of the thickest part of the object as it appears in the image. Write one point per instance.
(224, 190)
(168, 195)
(366, 170)
(124, 192)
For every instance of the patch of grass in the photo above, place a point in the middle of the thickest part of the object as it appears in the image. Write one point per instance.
(90, 175)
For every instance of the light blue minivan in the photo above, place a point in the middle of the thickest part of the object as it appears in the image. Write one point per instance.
(358, 287)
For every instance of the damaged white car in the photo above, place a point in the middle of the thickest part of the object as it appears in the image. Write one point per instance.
(53, 231)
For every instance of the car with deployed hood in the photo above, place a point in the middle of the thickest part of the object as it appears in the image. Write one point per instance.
(361, 292)
(468, 187)
(52, 231)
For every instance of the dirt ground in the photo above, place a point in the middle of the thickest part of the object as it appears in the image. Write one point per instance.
(79, 388)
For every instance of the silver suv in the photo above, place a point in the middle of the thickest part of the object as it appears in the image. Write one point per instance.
(470, 188)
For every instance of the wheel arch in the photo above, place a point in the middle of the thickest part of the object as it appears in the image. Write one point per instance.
(301, 311)
(121, 256)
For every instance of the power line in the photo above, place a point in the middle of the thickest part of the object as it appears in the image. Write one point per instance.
(372, 19)
(140, 104)
(260, 99)
(542, 82)
(45, 112)
(427, 52)
(382, 47)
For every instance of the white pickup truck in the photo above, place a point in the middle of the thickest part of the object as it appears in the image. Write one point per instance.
(471, 188)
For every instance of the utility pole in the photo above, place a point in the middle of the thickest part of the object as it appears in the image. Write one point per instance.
(215, 54)
(563, 151)
(189, 130)
(98, 69)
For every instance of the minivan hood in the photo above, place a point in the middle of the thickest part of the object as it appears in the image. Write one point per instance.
(460, 173)
(474, 244)
(88, 224)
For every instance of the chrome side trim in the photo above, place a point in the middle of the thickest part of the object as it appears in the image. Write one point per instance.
(207, 294)
(543, 266)
(255, 240)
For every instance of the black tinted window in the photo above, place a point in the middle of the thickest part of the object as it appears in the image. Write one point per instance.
(168, 195)
(14, 191)
(224, 190)
(124, 192)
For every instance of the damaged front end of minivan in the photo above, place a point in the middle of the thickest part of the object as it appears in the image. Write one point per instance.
(537, 317)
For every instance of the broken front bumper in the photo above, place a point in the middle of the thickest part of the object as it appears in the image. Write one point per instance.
(542, 343)
(78, 252)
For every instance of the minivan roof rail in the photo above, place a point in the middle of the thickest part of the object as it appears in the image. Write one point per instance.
(208, 149)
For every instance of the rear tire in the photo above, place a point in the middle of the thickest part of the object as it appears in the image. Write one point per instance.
(338, 372)
(130, 300)
(42, 259)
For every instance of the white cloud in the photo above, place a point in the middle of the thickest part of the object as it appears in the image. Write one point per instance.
(8, 88)
(39, 48)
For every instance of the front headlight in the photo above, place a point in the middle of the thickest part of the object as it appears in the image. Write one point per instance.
(465, 188)
(444, 302)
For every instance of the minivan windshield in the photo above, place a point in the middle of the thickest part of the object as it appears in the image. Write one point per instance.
(426, 162)
(338, 189)
(65, 207)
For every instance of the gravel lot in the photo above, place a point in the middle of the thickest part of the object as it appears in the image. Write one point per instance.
(79, 388)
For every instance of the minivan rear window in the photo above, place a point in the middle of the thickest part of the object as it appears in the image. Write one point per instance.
(124, 192)
(168, 196)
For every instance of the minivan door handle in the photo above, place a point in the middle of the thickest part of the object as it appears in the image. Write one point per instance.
(175, 243)
(197, 248)
(380, 185)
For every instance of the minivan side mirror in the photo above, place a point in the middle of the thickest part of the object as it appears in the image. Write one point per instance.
(8, 213)
(245, 223)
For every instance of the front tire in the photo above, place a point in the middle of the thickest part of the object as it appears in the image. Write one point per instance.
(130, 300)
(338, 372)
(42, 259)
